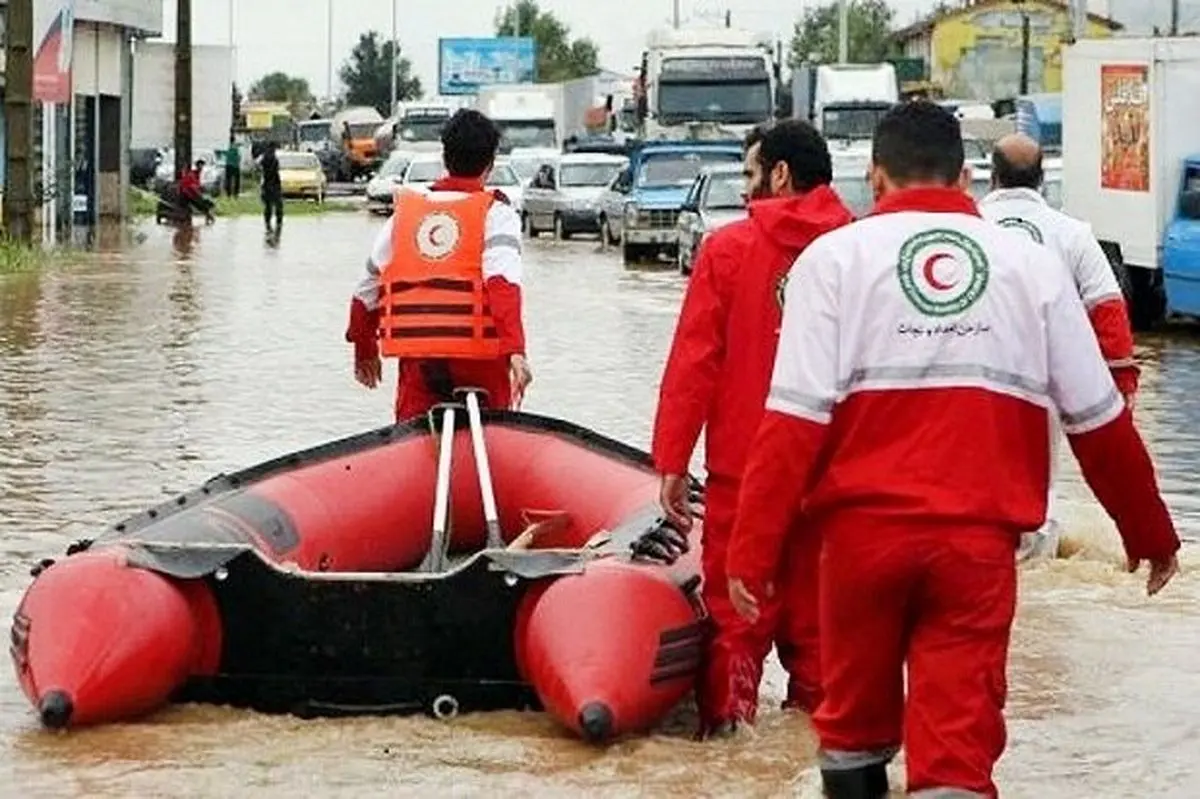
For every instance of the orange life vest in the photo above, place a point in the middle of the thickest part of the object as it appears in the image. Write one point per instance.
(432, 302)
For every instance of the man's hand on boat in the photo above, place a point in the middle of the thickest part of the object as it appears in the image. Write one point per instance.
(520, 376)
(369, 372)
(1161, 572)
(673, 496)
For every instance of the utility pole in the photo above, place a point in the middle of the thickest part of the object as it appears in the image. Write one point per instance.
(1174, 17)
(329, 50)
(18, 104)
(395, 47)
(675, 13)
(1024, 53)
(843, 31)
(1078, 9)
(183, 87)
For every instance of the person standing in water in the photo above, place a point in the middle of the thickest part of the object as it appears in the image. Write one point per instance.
(272, 189)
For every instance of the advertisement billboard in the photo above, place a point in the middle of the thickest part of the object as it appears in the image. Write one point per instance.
(1125, 127)
(53, 29)
(466, 64)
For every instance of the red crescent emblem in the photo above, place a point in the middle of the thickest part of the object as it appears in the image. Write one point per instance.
(930, 274)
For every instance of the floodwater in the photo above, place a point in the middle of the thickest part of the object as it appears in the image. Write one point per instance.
(140, 373)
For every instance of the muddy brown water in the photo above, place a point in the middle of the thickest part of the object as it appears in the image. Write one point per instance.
(148, 368)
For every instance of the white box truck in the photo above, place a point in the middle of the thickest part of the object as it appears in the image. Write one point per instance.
(1131, 164)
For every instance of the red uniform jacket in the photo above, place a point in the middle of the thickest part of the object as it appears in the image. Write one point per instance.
(720, 364)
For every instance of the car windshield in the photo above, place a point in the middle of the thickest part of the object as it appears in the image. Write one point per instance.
(855, 193)
(588, 174)
(974, 150)
(298, 161)
(714, 102)
(364, 130)
(725, 191)
(525, 166)
(315, 132)
(539, 133)
(502, 175)
(680, 169)
(394, 165)
(851, 123)
(421, 129)
(424, 171)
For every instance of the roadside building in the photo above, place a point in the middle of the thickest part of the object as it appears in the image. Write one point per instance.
(973, 51)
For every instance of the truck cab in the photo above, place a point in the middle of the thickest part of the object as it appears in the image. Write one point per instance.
(645, 200)
(526, 114)
(1181, 245)
(720, 76)
(845, 101)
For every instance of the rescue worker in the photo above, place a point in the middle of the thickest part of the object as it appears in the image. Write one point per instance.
(1017, 202)
(443, 285)
(920, 351)
(716, 378)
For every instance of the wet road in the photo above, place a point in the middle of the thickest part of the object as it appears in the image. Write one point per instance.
(137, 374)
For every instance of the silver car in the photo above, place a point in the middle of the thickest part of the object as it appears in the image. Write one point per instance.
(564, 196)
(611, 207)
(715, 199)
(381, 189)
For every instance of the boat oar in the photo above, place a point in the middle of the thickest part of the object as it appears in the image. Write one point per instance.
(495, 540)
(439, 546)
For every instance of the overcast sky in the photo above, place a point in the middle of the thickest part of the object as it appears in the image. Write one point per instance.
(291, 35)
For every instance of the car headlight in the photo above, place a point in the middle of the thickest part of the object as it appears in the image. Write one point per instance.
(631, 215)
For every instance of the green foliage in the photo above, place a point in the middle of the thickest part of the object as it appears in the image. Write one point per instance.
(559, 57)
(368, 79)
(279, 87)
(869, 25)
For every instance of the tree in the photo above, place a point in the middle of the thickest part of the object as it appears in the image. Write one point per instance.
(559, 57)
(368, 79)
(869, 24)
(279, 87)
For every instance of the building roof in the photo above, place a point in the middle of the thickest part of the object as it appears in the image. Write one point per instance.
(924, 26)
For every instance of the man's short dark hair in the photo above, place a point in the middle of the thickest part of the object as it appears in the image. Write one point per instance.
(799, 145)
(919, 142)
(1008, 175)
(755, 136)
(469, 143)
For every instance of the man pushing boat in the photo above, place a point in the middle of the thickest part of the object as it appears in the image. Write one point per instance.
(716, 378)
(442, 291)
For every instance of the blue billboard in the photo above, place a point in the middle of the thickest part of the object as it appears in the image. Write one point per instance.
(466, 64)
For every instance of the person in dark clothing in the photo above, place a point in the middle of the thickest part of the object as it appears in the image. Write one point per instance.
(272, 189)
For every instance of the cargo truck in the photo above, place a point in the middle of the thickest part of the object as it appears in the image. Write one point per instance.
(527, 114)
(1131, 164)
(844, 101)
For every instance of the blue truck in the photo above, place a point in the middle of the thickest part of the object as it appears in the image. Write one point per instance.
(641, 207)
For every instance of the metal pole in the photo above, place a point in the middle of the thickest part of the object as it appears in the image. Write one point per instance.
(517, 23)
(183, 88)
(18, 116)
(1174, 17)
(1078, 19)
(1024, 53)
(843, 31)
(394, 49)
(675, 13)
(95, 132)
(329, 50)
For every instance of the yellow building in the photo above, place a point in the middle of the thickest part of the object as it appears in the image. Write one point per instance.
(974, 52)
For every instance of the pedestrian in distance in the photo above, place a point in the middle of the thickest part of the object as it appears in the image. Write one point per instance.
(716, 378)
(920, 351)
(271, 189)
(1016, 202)
(233, 169)
(442, 290)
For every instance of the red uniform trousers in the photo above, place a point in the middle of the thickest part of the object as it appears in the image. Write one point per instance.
(414, 396)
(733, 671)
(940, 600)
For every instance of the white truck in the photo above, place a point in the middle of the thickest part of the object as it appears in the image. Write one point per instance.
(717, 76)
(527, 114)
(1131, 164)
(844, 101)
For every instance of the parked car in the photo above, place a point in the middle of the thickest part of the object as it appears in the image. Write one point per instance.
(212, 176)
(300, 175)
(564, 196)
(381, 189)
(505, 178)
(423, 170)
(716, 199)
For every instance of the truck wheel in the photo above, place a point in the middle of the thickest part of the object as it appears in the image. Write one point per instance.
(606, 235)
(632, 253)
(1121, 272)
(560, 230)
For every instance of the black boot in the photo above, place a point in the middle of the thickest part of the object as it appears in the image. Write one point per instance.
(868, 782)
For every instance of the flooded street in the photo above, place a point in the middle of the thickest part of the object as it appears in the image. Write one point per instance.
(140, 374)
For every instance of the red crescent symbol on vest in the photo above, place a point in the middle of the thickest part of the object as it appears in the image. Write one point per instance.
(931, 278)
(433, 234)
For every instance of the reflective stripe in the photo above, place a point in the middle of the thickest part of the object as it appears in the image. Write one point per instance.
(946, 793)
(1121, 363)
(806, 401)
(502, 240)
(1096, 416)
(938, 371)
(839, 760)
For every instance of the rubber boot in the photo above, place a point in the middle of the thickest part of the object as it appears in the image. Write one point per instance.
(868, 782)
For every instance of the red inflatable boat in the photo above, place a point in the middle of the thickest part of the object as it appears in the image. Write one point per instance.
(384, 573)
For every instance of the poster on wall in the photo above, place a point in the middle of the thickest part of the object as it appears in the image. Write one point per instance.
(53, 34)
(1125, 127)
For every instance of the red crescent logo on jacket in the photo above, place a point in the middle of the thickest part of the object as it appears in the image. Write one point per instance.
(437, 235)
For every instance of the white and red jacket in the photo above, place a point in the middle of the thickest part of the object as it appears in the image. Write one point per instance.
(920, 352)
(1072, 240)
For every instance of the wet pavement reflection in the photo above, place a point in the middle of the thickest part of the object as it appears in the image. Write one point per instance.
(142, 371)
